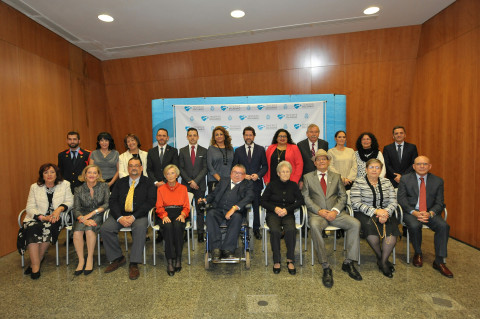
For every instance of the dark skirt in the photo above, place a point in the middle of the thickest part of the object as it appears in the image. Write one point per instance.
(77, 226)
(370, 225)
(36, 231)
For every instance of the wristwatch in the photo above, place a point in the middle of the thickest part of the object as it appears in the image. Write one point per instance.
(96, 211)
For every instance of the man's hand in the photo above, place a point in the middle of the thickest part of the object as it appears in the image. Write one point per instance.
(193, 185)
(254, 177)
(329, 215)
(397, 177)
(248, 177)
(126, 221)
(230, 213)
(202, 200)
(158, 184)
(422, 216)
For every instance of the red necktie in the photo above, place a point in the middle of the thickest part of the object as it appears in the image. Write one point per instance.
(323, 184)
(422, 202)
(313, 150)
(192, 155)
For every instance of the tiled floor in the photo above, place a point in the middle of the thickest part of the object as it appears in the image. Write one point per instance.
(230, 291)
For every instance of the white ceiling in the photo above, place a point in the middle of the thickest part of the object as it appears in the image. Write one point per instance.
(147, 27)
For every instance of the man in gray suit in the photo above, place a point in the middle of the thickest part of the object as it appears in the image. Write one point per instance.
(420, 194)
(193, 169)
(325, 197)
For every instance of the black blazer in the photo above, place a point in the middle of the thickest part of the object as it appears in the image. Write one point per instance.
(258, 164)
(306, 151)
(144, 198)
(197, 172)
(408, 192)
(69, 171)
(155, 168)
(393, 165)
(244, 194)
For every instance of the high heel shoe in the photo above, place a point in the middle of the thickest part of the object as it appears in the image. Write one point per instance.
(276, 271)
(170, 269)
(390, 265)
(87, 272)
(385, 270)
(35, 275)
(79, 272)
(178, 266)
(28, 271)
(291, 271)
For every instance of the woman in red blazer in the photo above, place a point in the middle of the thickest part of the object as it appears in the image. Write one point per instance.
(283, 149)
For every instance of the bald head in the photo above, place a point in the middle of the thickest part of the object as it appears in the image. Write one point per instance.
(422, 165)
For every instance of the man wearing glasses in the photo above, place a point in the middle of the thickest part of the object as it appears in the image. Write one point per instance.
(228, 202)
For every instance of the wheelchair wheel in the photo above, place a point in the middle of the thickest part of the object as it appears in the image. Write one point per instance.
(207, 264)
(247, 260)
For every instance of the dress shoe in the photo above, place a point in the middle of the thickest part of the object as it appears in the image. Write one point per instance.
(78, 272)
(324, 234)
(276, 271)
(327, 278)
(291, 271)
(385, 269)
(216, 254)
(227, 254)
(133, 272)
(257, 234)
(417, 260)
(87, 272)
(115, 264)
(201, 238)
(178, 266)
(390, 265)
(352, 271)
(441, 267)
(35, 275)
(28, 271)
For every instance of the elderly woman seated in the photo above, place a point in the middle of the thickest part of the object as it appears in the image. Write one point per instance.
(172, 208)
(374, 202)
(91, 200)
(280, 198)
(48, 197)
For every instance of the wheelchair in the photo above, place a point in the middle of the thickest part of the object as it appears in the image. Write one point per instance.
(244, 237)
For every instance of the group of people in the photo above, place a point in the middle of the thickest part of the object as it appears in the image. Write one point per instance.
(307, 173)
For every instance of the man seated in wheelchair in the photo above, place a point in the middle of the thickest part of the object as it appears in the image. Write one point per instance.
(227, 204)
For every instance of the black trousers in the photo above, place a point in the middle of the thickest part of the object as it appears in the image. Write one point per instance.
(173, 236)
(214, 219)
(276, 223)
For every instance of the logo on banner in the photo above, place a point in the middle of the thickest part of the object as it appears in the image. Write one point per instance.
(285, 106)
(223, 107)
(260, 107)
(285, 126)
(268, 116)
(297, 126)
(248, 107)
(187, 127)
(242, 117)
(188, 108)
(280, 116)
(226, 127)
(204, 118)
(306, 115)
(229, 117)
(297, 106)
(192, 118)
(261, 127)
(212, 108)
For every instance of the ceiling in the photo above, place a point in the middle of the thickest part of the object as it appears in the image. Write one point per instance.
(147, 27)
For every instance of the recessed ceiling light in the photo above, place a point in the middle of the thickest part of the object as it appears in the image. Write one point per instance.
(105, 18)
(371, 10)
(237, 14)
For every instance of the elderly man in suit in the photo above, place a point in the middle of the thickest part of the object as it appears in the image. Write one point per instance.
(399, 156)
(73, 160)
(193, 170)
(253, 157)
(421, 196)
(325, 197)
(228, 202)
(132, 197)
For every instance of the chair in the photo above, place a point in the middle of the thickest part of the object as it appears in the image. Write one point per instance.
(188, 228)
(125, 230)
(298, 226)
(67, 221)
(20, 224)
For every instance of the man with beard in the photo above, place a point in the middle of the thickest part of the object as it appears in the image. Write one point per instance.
(73, 160)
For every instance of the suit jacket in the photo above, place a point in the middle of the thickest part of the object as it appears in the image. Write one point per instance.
(196, 172)
(315, 199)
(244, 193)
(155, 168)
(306, 151)
(258, 165)
(71, 171)
(37, 202)
(408, 192)
(393, 165)
(144, 198)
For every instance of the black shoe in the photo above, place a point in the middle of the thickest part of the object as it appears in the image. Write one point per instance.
(291, 271)
(257, 234)
(87, 272)
(276, 271)
(201, 238)
(178, 266)
(324, 234)
(385, 270)
(327, 278)
(339, 233)
(227, 254)
(170, 269)
(216, 254)
(79, 272)
(352, 272)
(390, 265)
(35, 275)
(28, 271)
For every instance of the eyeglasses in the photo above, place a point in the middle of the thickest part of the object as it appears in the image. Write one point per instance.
(422, 164)
(282, 136)
(238, 173)
(134, 165)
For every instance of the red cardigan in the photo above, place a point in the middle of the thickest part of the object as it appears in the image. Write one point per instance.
(176, 197)
(293, 156)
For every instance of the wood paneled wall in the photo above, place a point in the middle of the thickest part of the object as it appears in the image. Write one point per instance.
(444, 113)
(47, 88)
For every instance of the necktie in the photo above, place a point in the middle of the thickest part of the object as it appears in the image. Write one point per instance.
(399, 152)
(249, 155)
(129, 200)
(161, 155)
(313, 149)
(74, 157)
(192, 155)
(323, 184)
(422, 202)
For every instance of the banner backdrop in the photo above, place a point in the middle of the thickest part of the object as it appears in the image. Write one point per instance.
(265, 118)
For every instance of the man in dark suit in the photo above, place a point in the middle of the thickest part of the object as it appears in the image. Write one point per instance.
(253, 157)
(326, 198)
(132, 197)
(399, 156)
(228, 202)
(193, 170)
(73, 160)
(420, 194)
(159, 157)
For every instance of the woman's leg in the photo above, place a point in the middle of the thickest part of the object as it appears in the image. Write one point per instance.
(34, 252)
(275, 224)
(374, 242)
(78, 243)
(387, 247)
(91, 241)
